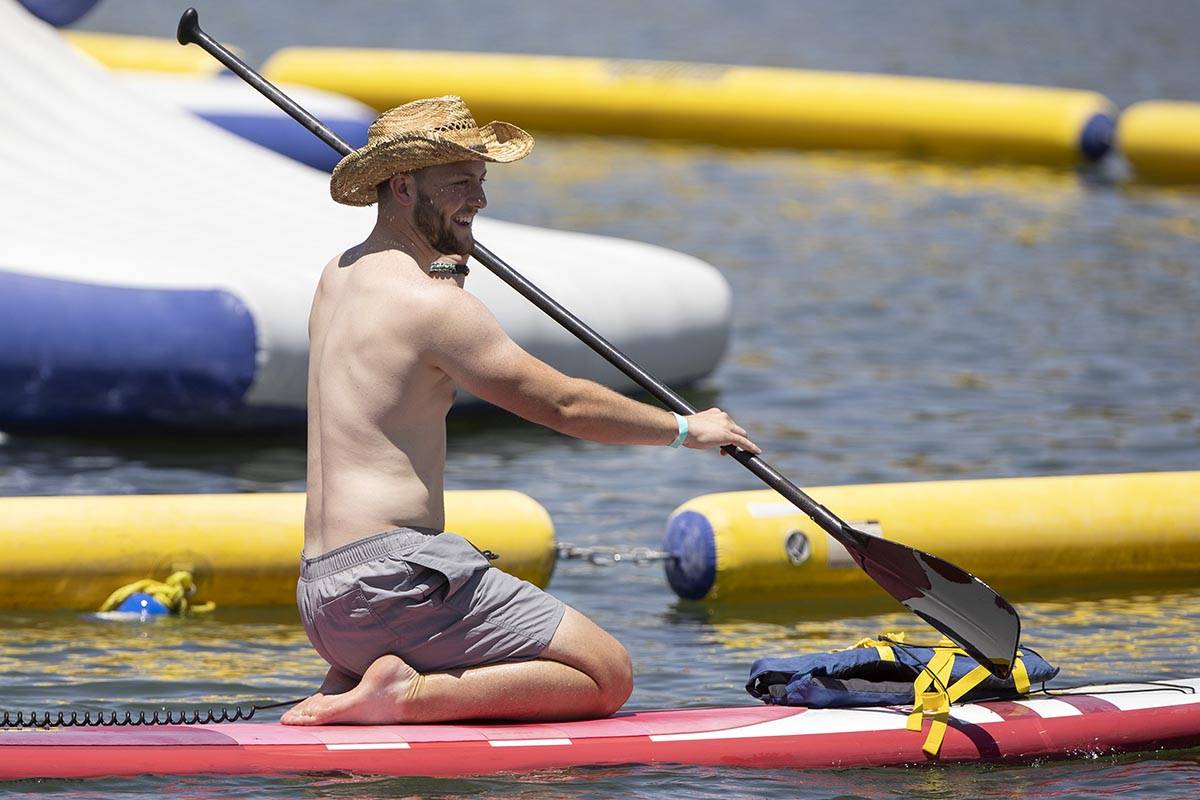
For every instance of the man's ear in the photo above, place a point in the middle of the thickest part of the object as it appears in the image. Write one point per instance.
(403, 188)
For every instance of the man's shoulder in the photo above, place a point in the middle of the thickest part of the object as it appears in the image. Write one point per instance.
(407, 296)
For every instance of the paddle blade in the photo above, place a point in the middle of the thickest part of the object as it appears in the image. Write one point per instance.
(955, 602)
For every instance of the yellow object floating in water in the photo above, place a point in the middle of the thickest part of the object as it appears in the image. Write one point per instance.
(243, 549)
(732, 105)
(143, 53)
(173, 594)
(1020, 535)
(1161, 139)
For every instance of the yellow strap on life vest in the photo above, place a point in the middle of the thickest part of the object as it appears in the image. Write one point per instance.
(935, 703)
(172, 593)
(1020, 675)
(882, 645)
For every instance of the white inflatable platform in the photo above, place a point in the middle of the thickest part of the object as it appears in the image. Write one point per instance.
(155, 269)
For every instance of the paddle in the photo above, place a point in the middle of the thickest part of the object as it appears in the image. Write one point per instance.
(950, 599)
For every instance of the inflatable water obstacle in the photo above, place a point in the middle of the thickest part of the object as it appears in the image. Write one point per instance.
(916, 116)
(724, 104)
(189, 78)
(242, 549)
(1161, 139)
(1076, 723)
(232, 105)
(1023, 536)
(182, 296)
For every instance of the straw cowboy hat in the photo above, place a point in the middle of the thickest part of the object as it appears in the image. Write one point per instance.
(419, 134)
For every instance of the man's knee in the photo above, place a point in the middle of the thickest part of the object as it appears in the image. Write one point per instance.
(613, 673)
(619, 683)
(583, 644)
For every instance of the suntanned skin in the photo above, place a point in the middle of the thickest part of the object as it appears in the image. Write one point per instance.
(389, 342)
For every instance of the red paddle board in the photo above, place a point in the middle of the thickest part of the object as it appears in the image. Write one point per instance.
(1081, 722)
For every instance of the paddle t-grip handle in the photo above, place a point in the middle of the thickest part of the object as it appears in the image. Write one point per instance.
(189, 32)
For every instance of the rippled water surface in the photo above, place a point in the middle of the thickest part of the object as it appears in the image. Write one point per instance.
(894, 320)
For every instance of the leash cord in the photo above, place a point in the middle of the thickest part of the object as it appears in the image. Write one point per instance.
(908, 649)
(109, 719)
(1057, 691)
(1141, 686)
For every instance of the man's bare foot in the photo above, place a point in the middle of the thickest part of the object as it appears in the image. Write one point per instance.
(336, 682)
(384, 696)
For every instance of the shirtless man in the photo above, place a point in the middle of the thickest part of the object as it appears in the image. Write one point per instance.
(414, 623)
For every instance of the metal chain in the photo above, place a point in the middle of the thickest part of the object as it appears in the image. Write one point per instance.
(610, 556)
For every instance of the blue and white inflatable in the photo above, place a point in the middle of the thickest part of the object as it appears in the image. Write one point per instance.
(226, 101)
(155, 269)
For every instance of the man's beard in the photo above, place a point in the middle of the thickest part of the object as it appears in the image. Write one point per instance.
(439, 231)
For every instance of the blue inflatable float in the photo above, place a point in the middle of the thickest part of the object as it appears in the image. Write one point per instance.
(59, 12)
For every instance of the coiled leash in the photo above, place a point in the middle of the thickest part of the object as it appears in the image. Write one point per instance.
(108, 719)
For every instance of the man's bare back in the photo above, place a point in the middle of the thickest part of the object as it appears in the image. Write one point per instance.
(376, 425)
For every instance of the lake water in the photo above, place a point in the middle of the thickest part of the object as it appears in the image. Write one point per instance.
(894, 321)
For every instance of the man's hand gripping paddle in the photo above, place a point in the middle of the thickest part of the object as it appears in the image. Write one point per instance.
(950, 599)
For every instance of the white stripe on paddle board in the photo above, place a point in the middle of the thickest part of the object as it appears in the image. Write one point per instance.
(1048, 709)
(814, 721)
(1135, 701)
(972, 713)
(370, 746)
(1135, 696)
(527, 742)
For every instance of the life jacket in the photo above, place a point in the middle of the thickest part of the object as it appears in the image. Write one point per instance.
(890, 672)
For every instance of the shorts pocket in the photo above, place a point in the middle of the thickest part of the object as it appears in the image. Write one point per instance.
(352, 634)
(453, 558)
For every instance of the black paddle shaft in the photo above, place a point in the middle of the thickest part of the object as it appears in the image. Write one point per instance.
(189, 32)
(953, 601)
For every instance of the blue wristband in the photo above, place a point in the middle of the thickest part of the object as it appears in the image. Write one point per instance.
(683, 431)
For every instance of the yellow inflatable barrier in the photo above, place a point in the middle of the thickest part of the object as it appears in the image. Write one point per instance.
(1161, 139)
(243, 549)
(1020, 535)
(142, 53)
(753, 106)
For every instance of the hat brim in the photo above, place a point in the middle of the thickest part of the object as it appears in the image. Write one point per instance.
(356, 176)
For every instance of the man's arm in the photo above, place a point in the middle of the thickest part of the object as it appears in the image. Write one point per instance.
(468, 344)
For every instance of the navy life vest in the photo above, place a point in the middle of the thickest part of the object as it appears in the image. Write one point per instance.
(890, 672)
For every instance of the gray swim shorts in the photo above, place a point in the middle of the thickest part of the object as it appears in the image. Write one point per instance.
(429, 597)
